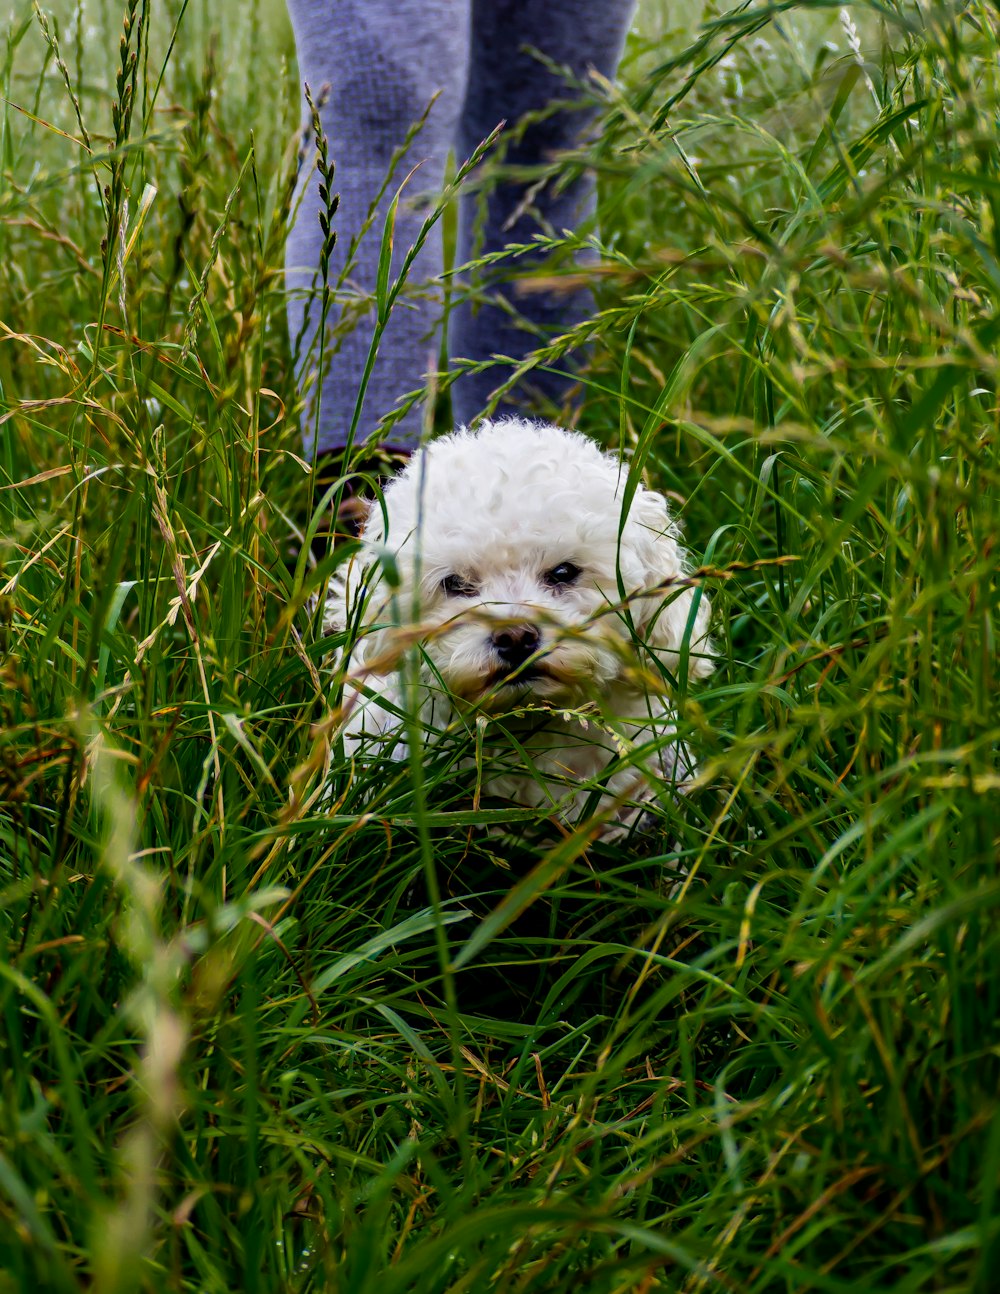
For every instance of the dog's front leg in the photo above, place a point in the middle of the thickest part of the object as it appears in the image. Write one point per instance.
(374, 722)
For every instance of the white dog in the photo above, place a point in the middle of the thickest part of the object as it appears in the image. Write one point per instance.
(539, 606)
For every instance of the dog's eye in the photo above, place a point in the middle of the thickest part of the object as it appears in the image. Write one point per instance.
(564, 573)
(457, 587)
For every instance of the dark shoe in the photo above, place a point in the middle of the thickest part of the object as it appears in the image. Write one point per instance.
(364, 475)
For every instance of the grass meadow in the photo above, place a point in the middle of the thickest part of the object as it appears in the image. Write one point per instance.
(268, 1025)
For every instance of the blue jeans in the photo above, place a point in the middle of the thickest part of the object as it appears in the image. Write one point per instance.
(384, 60)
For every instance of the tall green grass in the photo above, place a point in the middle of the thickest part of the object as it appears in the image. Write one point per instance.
(254, 1038)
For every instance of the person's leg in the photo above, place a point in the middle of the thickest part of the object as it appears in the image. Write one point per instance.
(505, 82)
(383, 61)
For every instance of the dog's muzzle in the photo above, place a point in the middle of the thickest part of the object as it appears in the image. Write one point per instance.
(515, 644)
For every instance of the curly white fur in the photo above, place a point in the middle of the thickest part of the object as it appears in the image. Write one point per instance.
(511, 559)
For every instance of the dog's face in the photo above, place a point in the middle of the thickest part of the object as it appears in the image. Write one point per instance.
(513, 558)
(520, 616)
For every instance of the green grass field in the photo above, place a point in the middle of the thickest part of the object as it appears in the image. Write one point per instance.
(257, 1039)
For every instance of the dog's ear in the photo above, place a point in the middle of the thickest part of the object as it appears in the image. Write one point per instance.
(674, 620)
(336, 604)
(347, 583)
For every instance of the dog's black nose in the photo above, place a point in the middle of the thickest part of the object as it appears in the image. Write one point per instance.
(515, 643)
